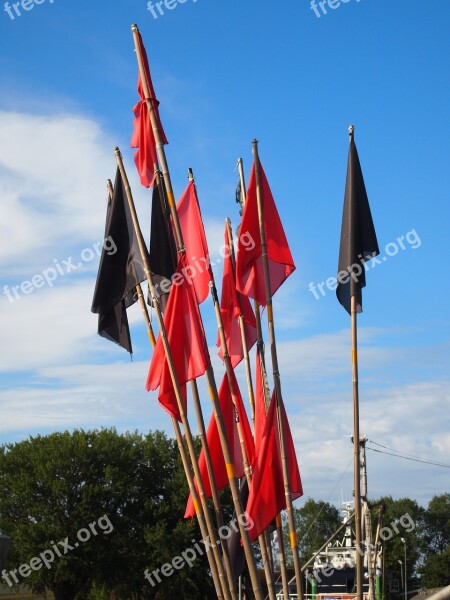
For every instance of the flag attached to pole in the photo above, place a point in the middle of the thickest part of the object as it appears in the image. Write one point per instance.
(186, 341)
(119, 272)
(249, 261)
(143, 137)
(358, 238)
(267, 497)
(197, 253)
(234, 305)
(231, 416)
(163, 252)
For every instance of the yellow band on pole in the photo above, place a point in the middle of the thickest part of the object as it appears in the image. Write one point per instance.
(270, 312)
(211, 393)
(354, 356)
(293, 537)
(151, 335)
(278, 521)
(197, 506)
(170, 199)
(230, 470)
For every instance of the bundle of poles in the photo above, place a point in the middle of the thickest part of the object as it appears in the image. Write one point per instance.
(209, 515)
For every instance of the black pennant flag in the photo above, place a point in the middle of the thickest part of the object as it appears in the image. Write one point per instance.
(163, 252)
(358, 238)
(119, 272)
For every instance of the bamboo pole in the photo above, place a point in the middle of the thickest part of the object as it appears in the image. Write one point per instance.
(229, 372)
(212, 480)
(356, 453)
(262, 365)
(277, 381)
(201, 507)
(256, 585)
(241, 321)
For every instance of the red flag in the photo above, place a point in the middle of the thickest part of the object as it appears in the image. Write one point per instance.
(249, 264)
(267, 499)
(232, 306)
(199, 269)
(143, 137)
(212, 436)
(186, 340)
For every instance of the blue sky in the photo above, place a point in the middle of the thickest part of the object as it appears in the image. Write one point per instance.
(226, 72)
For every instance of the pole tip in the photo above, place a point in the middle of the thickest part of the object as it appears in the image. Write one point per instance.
(134, 27)
(190, 174)
(116, 150)
(351, 131)
(255, 142)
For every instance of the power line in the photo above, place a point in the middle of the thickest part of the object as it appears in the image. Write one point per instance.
(413, 459)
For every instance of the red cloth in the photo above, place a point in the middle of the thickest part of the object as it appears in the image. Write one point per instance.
(267, 499)
(215, 448)
(249, 264)
(232, 306)
(143, 136)
(194, 237)
(186, 340)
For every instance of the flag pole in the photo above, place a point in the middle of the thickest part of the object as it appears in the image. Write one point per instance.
(356, 435)
(241, 321)
(262, 365)
(277, 381)
(250, 557)
(202, 509)
(229, 370)
(138, 288)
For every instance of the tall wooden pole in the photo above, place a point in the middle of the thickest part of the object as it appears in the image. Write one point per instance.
(262, 366)
(277, 380)
(250, 557)
(356, 452)
(202, 509)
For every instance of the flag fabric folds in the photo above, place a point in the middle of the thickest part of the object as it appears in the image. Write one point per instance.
(163, 252)
(197, 253)
(249, 263)
(232, 306)
(143, 136)
(231, 416)
(119, 272)
(186, 340)
(267, 499)
(358, 238)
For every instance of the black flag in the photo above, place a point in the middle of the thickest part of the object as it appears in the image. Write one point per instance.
(358, 237)
(163, 252)
(119, 272)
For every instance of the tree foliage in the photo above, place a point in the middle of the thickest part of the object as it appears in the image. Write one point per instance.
(54, 486)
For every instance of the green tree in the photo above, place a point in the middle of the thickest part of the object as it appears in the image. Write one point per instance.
(403, 520)
(55, 486)
(436, 536)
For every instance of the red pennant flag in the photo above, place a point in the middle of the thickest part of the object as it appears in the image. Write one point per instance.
(267, 499)
(249, 264)
(232, 306)
(215, 448)
(197, 253)
(186, 340)
(143, 137)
